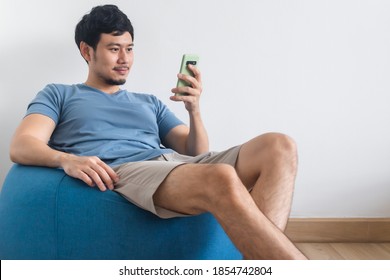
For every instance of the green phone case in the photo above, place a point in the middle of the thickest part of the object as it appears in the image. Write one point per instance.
(187, 59)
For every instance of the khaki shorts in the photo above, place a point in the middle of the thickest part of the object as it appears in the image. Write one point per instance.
(140, 180)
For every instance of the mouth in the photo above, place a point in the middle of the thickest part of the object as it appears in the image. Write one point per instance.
(122, 70)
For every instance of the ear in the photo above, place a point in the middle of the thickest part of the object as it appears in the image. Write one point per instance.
(86, 51)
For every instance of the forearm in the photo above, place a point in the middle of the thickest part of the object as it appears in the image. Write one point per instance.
(193, 140)
(29, 147)
(28, 150)
(197, 140)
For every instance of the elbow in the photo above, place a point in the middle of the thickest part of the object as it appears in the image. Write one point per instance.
(197, 150)
(13, 155)
(15, 151)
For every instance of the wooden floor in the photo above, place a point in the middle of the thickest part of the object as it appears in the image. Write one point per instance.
(345, 251)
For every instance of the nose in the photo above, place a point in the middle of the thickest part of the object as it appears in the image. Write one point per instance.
(123, 56)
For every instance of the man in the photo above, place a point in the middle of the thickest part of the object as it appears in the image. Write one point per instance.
(132, 144)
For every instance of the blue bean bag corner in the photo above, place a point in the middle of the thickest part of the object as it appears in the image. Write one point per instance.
(45, 214)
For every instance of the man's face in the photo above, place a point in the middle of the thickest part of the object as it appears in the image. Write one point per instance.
(113, 58)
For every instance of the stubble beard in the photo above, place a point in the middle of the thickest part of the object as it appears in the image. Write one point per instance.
(113, 82)
(110, 81)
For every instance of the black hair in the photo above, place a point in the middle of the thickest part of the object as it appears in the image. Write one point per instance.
(102, 19)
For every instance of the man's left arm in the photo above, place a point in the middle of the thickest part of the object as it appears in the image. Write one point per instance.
(192, 140)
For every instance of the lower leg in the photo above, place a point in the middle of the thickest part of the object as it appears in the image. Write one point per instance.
(267, 164)
(254, 234)
(217, 189)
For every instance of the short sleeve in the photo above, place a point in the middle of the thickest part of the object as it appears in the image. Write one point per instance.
(47, 102)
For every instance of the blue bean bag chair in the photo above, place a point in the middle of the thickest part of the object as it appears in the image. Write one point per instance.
(45, 214)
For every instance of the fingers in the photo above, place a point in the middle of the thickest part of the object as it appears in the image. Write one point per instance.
(195, 82)
(190, 95)
(92, 171)
(100, 176)
(184, 91)
(196, 72)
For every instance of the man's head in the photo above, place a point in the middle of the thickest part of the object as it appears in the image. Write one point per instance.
(102, 19)
(105, 39)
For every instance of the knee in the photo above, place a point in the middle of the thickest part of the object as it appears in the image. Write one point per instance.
(280, 146)
(224, 185)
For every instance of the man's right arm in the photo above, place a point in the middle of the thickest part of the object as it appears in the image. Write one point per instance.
(29, 146)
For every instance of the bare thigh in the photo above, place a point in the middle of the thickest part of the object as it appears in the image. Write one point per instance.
(193, 188)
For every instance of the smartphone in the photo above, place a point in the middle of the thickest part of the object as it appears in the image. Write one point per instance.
(187, 59)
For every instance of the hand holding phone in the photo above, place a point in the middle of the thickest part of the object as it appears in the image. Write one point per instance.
(192, 59)
(189, 84)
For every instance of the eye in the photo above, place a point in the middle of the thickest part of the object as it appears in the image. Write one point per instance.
(129, 49)
(114, 49)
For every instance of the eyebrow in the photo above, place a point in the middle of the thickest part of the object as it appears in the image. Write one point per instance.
(119, 45)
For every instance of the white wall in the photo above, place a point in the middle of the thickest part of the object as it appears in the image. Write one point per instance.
(316, 70)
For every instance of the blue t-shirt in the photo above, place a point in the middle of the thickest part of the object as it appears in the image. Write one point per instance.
(117, 128)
